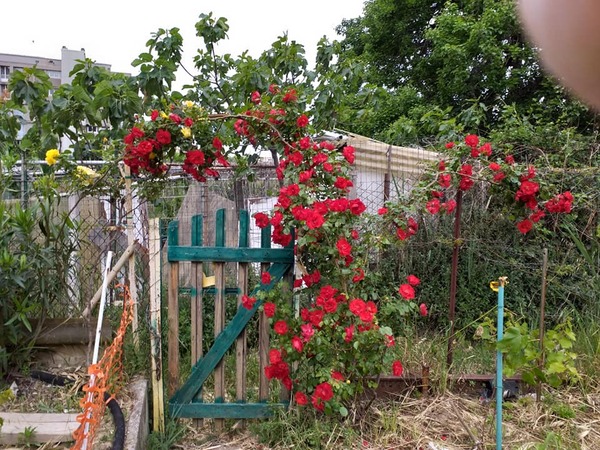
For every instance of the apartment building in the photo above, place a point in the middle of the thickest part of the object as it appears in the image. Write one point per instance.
(57, 69)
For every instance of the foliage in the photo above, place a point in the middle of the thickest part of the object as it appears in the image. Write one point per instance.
(34, 259)
(431, 68)
(520, 346)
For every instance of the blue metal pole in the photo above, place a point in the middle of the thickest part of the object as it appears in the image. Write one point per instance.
(499, 388)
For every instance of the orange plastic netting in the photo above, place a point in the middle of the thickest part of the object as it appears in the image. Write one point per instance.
(105, 377)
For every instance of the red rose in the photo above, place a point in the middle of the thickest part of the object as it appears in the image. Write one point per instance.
(357, 207)
(525, 226)
(154, 115)
(280, 327)
(349, 333)
(195, 157)
(344, 247)
(433, 206)
(314, 220)
(494, 167)
(337, 375)
(269, 309)
(423, 309)
(397, 368)
(499, 176)
(472, 140)
(486, 149)
(510, 160)
(248, 302)
(343, 183)
(297, 344)
(444, 180)
(301, 398)
(255, 97)
(348, 153)
(262, 220)
(324, 391)
(450, 205)
(275, 356)
(290, 96)
(413, 280)
(217, 144)
(407, 291)
(302, 121)
(401, 233)
(382, 211)
(163, 137)
(265, 278)
(360, 275)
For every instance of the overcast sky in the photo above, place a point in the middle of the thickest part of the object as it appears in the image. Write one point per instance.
(115, 31)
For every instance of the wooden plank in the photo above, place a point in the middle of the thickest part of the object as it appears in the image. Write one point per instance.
(158, 403)
(66, 331)
(197, 302)
(219, 313)
(49, 427)
(223, 342)
(173, 315)
(263, 329)
(198, 254)
(242, 282)
(227, 410)
(198, 276)
(131, 275)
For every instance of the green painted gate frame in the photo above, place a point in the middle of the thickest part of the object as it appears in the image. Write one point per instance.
(184, 402)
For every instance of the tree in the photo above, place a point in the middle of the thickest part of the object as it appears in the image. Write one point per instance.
(464, 64)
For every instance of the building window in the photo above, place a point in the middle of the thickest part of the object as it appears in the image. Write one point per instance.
(53, 74)
(4, 73)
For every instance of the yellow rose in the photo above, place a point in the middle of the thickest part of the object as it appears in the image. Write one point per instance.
(164, 115)
(86, 174)
(187, 132)
(52, 156)
(188, 104)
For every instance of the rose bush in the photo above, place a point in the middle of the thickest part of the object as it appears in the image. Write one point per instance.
(326, 350)
(327, 347)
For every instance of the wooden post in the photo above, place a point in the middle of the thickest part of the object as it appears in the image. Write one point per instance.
(454, 280)
(219, 313)
(158, 406)
(242, 284)
(197, 302)
(263, 330)
(538, 388)
(173, 315)
(130, 241)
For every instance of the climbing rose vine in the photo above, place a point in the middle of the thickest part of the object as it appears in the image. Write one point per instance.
(327, 350)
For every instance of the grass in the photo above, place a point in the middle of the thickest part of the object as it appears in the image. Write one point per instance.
(566, 418)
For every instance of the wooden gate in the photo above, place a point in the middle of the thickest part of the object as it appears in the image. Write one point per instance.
(189, 400)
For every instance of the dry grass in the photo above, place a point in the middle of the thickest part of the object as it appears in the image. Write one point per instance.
(562, 420)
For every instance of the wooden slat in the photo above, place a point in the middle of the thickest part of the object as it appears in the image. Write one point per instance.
(47, 427)
(228, 410)
(263, 329)
(222, 343)
(158, 405)
(242, 283)
(198, 254)
(173, 314)
(219, 313)
(197, 301)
